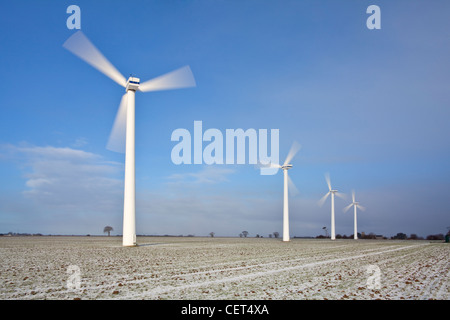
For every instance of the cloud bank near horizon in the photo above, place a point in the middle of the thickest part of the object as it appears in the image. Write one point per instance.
(71, 191)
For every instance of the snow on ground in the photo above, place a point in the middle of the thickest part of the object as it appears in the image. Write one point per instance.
(222, 268)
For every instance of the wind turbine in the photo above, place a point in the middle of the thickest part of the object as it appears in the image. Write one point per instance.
(322, 200)
(355, 205)
(287, 183)
(122, 137)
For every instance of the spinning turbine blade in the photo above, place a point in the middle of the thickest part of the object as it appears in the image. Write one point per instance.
(180, 78)
(360, 207)
(347, 207)
(274, 165)
(327, 178)
(322, 200)
(292, 188)
(267, 165)
(117, 137)
(80, 46)
(340, 195)
(292, 152)
(353, 195)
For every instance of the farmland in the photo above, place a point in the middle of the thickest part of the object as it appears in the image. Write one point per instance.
(222, 268)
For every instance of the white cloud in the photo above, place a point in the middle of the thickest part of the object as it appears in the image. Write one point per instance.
(209, 175)
(65, 176)
(80, 142)
(68, 184)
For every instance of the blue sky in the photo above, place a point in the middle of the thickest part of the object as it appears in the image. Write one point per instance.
(371, 107)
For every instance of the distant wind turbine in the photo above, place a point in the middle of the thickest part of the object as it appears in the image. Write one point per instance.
(122, 137)
(322, 200)
(287, 184)
(355, 205)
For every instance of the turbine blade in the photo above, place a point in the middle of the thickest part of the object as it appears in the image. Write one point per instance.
(292, 188)
(361, 207)
(117, 136)
(180, 78)
(292, 152)
(80, 46)
(341, 195)
(347, 207)
(353, 195)
(327, 178)
(267, 165)
(322, 200)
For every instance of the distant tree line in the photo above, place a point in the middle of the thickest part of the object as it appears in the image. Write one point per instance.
(413, 236)
(361, 235)
(439, 236)
(244, 234)
(398, 236)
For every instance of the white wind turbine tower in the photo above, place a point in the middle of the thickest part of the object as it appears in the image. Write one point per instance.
(355, 205)
(122, 137)
(322, 200)
(287, 182)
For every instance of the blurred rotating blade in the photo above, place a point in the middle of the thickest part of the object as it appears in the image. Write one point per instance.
(180, 78)
(260, 165)
(292, 152)
(360, 207)
(327, 178)
(322, 200)
(293, 191)
(347, 207)
(341, 195)
(117, 137)
(353, 195)
(80, 46)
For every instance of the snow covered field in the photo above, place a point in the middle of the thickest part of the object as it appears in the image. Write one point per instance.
(221, 268)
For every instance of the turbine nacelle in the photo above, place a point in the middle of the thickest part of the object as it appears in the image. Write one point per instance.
(133, 84)
(286, 167)
(354, 204)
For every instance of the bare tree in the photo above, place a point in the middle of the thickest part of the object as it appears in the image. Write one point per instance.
(108, 229)
(439, 236)
(245, 233)
(276, 234)
(212, 234)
